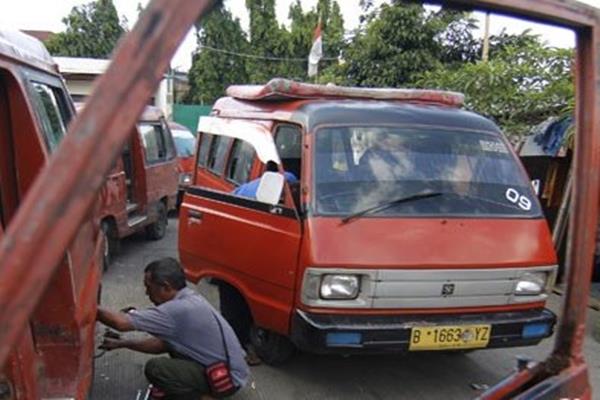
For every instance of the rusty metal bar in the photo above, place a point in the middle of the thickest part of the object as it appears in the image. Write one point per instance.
(584, 206)
(64, 192)
(564, 13)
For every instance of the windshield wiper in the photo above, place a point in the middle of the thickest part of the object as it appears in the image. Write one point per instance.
(391, 203)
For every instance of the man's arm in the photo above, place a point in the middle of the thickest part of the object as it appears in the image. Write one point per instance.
(151, 345)
(116, 320)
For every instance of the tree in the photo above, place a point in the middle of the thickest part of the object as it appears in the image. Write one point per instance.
(212, 68)
(93, 30)
(398, 41)
(523, 83)
(268, 42)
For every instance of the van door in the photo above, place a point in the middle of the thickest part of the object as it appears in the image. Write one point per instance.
(251, 245)
(161, 175)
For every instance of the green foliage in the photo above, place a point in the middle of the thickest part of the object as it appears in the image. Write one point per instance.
(523, 83)
(212, 71)
(93, 30)
(268, 40)
(403, 39)
(398, 44)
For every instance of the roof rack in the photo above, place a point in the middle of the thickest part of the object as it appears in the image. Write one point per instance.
(279, 89)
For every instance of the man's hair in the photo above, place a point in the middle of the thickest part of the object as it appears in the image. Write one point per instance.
(166, 270)
(271, 166)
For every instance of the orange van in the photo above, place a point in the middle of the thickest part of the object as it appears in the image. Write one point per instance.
(396, 221)
(54, 355)
(141, 188)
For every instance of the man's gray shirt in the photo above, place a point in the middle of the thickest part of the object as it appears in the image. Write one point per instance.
(188, 325)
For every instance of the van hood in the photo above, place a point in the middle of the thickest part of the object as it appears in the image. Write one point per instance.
(427, 243)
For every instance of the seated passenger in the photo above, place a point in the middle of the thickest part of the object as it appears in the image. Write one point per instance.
(249, 189)
(387, 158)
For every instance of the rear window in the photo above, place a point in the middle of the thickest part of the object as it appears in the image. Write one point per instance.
(463, 173)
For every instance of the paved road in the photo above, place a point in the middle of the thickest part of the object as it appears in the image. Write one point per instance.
(414, 376)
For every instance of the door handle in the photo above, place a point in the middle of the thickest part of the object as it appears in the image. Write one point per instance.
(195, 217)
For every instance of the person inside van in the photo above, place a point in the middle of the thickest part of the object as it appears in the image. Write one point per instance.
(249, 189)
(386, 158)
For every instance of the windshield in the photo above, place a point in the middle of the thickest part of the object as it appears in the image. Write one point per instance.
(185, 143)
(357, 168)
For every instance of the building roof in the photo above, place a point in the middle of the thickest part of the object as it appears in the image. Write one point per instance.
(81, 65)
(39, 35)
(26, 49)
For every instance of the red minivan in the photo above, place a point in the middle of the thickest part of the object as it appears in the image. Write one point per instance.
(54, 356)
(403, 223)
(141, 188)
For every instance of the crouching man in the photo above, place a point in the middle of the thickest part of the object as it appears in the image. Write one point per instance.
(183, 324)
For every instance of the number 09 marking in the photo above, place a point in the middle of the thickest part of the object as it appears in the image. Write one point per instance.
(516, 198)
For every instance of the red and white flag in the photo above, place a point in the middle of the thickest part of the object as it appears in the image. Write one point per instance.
(316, 51)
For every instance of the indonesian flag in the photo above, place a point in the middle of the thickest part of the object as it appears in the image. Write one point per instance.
(316, 51)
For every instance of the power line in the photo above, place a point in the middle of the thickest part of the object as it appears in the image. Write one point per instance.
(254, 56)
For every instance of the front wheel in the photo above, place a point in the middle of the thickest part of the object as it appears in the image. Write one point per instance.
(158, 229)
(271, 347)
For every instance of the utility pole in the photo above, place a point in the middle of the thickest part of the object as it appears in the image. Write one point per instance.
(486, 39)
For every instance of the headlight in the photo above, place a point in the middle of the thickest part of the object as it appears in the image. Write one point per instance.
(185, 179)
(339, 287)
(531, 283)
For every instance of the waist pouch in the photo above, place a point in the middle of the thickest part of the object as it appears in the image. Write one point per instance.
(218, 374)
(219, 380)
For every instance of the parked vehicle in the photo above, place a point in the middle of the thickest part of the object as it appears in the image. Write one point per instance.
(53, 357)
(141, 188)
(185, 144)
(411, 226)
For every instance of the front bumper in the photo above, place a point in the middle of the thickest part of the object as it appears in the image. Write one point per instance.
(380, 334)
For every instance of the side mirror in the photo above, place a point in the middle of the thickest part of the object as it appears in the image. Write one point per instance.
(536, 186)
(270, 188)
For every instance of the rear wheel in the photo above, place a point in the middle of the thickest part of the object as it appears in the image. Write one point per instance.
(271, 347)
(158, 229)
(110, 244)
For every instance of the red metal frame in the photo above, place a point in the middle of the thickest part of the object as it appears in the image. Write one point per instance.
(63, 194)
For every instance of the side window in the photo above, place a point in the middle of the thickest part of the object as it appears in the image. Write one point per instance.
(240, 162)
(288, 140)
(53, 112)
(167, 139)
(153, 142)
(218, 153)
(205, 140)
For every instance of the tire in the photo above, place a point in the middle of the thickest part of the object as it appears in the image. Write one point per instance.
(110, 244)
(234, 309)
(158, 229)
(271, 347)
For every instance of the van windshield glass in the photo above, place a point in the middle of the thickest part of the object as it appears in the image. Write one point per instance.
(185, 143)
(475, 174)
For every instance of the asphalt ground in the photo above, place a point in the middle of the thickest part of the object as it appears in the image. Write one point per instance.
(119, 374)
